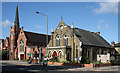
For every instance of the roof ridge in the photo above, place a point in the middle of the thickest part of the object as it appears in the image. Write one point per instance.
(35, 33)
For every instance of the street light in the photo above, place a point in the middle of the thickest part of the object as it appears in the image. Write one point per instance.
(47, 30)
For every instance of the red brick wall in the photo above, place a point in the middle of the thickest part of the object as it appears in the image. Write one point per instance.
(6, 42)
(23, 37)
(12, 44)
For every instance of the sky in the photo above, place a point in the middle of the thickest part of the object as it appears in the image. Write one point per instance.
(92, 16)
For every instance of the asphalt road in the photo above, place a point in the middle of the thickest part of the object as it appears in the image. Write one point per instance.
(23, 67)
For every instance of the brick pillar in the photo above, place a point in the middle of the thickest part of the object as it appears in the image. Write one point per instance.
(65, 54)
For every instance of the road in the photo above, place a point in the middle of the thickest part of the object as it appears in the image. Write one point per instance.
(23, 67)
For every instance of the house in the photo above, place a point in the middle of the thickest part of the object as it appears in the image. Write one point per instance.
(23, 44)
(6, 44)
(117, 49)
(28, 41)
(1, 44)
(71, 43)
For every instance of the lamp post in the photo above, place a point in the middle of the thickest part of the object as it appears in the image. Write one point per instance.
(40, 55)
(47, 30)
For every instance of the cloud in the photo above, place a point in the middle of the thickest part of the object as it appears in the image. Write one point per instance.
(101, 21)
(99, 27)
(106, 25)
(6, 23)
(0, 35)
(107, 7)
(38, 26)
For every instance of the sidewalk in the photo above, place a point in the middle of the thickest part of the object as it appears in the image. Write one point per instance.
(64, 68)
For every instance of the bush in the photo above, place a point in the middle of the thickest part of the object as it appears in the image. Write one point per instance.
(26, 60)
(16, 59)
(4, 55)
(55, 59)
(91, 61)
(73, 62)
(99, 62)
(23, 59)
(50, 60)
(66, 61)
(85, 60)
(112, 62)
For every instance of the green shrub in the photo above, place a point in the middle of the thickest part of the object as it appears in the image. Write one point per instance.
(73, 62)
(55, 59)
(91, 61)
(4, 55)
(85, 60)
(112, 62)
(50, 60)
(66, 61)
(99, 62)
(16, 59)
(43, 60)
(23, 59)
(26, 59)
(45, 56)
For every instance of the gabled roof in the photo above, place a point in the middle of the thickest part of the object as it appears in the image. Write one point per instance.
(91, 38)
(117, 45)
(7, 39)
(2, 40)
(36, 38)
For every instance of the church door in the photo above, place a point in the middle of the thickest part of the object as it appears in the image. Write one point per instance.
(21, 56)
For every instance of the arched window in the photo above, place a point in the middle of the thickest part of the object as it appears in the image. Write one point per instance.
(76, 51)
(65, 40)
(61, 27)
(49, 54)
(21, 46)
(57, 40)
(60, 54)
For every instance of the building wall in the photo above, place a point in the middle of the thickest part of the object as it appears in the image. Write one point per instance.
(72, 47)
(6, 45)
(12, 43)
(1, 44)
(117, 49)
(23, 38)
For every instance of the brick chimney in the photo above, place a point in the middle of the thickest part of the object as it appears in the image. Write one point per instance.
(98, 33)
(112, 43)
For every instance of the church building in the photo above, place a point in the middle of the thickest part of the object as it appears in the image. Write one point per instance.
(22, 42)
(70, 43)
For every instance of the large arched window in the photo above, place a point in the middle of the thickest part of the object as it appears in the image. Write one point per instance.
(49, 54)
(21, 46)
(57, 40)
(76, 51)
(65, 40)
(60, 54)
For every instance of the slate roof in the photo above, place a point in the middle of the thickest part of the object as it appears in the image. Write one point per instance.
(117, 45)
(36, 37)
(2, 40)
(91, 38)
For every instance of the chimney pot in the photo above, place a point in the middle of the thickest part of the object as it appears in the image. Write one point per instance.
(22, 27)
(72, 26)
(112, 43)
(98, 32)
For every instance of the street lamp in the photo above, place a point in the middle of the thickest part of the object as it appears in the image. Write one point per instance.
(40, 51)
(47, 30)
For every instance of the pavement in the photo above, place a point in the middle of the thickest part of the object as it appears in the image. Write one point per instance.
(20, 66)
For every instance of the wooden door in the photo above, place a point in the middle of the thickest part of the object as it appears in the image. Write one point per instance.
(21, 56)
